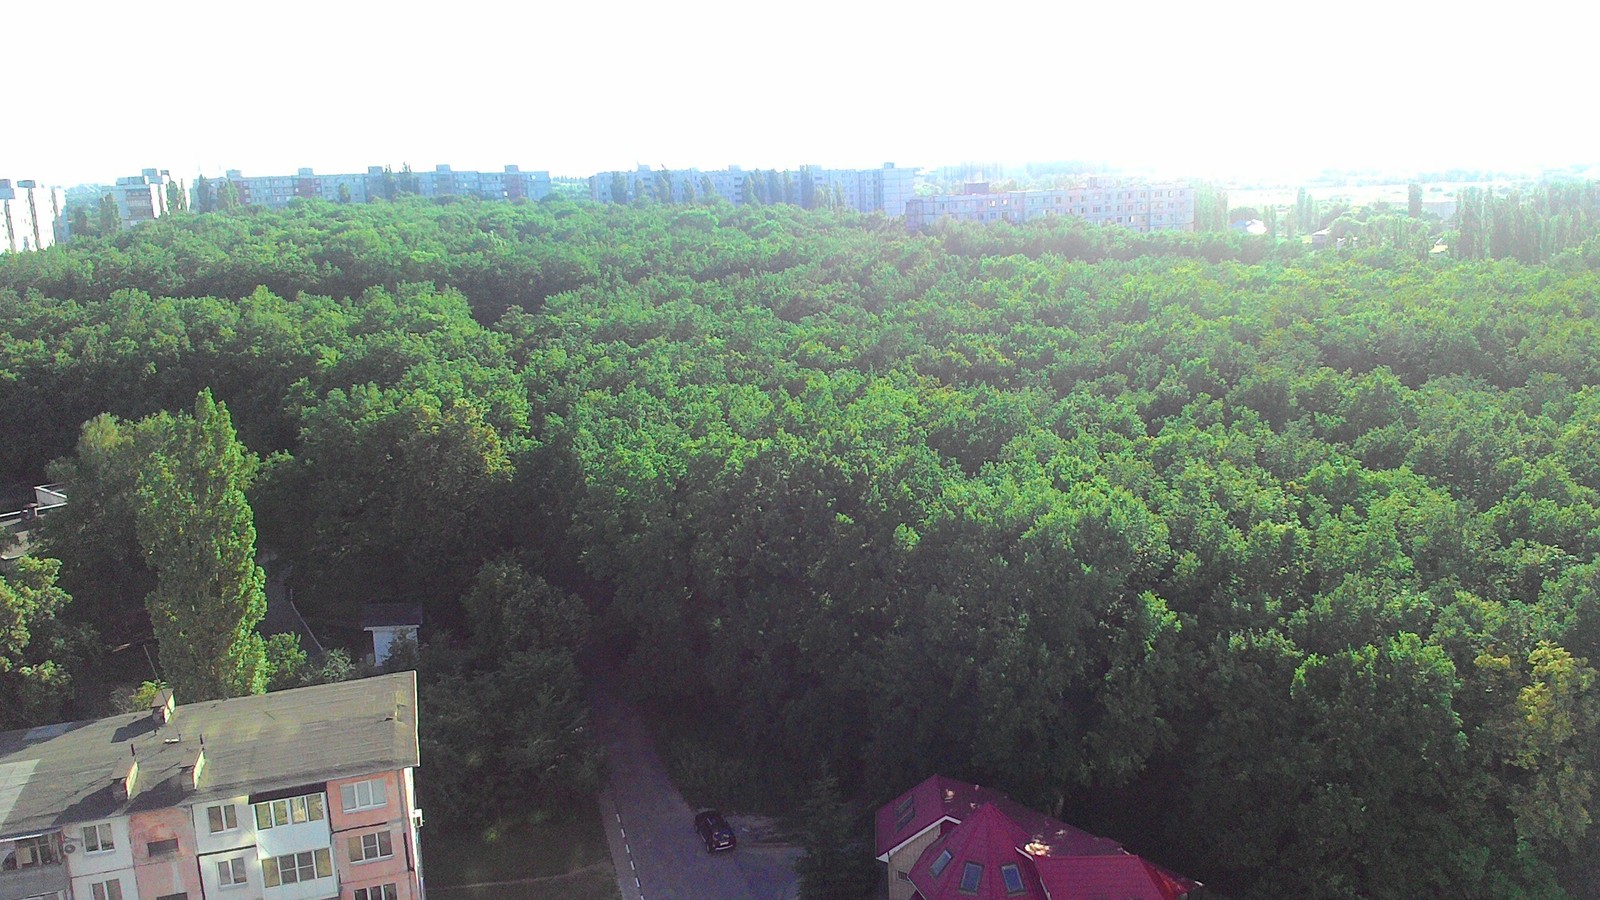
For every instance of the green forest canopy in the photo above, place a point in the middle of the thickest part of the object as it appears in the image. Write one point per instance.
(1278, 567)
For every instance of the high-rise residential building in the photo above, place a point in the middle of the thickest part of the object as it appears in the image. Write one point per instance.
(884, 189)
(302, 794)
(146, 196)
(378, 183)
(1141, 206)
(34, 216)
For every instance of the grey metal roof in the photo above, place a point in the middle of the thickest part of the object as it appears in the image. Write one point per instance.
(57, 775)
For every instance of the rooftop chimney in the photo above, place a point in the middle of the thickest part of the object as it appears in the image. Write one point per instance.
(122, 787)
(199, 764)
(162, 707)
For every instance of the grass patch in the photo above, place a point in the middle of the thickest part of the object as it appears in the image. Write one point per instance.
(540, 845)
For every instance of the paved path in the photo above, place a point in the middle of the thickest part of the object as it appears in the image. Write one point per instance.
(650, 828)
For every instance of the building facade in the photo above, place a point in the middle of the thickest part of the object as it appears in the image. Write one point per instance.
(886, 189)
(1136, 205)
(380, 183)
(146, 196)
(34, 216)
(304, 794)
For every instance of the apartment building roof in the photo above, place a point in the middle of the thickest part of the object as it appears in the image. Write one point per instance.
(71, 772)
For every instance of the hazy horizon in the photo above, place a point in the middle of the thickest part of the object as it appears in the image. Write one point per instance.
(1267, 93)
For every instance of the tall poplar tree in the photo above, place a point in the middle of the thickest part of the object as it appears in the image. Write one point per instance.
(200, 537)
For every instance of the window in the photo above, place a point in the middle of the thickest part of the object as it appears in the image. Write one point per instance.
(384, 892)
(291, 811)
(1012, 876)
(97, 838)
(370, 846)
(222, 818)
(182, 896)
(107, 890)
(294, 868)
(971, 876)
(36, 851)
(161, 848)
(231, 872)
(904, 812)
(362, 795)
(939, 863)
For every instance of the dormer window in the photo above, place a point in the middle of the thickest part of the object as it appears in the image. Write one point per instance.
(905, 812)
(971, 877)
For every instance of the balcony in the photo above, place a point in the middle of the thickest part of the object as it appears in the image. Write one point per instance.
(31, 866)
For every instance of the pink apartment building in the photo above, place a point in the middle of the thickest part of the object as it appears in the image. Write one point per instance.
(304, 794)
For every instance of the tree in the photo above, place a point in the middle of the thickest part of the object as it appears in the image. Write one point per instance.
(1414, 201)
(808, 188)
(109, 218)
(228, 195)
(747, 190)
(507, 719)
(837, 862)
(407, 182)
(619, 188)
(177, 197)
(103, 564)
(204, 199)
(34, 647)
(197, 528)
(344, 193)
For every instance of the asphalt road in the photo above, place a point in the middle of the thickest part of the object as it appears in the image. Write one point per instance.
(650, 828)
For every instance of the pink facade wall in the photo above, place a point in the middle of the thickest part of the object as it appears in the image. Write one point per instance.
(394, 817)
(164, 873)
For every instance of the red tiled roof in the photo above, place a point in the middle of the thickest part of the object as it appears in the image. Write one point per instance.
(988, 838)
(932, 800)
(1124, 876)
(994, 831)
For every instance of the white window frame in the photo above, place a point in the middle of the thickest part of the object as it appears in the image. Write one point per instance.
(232, 873)
(107, 890)
(227, 814)
(98, 838)
(368, 847)
(376, 792)
(289, 811)
(376, 892)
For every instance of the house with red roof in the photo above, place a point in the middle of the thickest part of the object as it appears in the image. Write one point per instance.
(949, 840)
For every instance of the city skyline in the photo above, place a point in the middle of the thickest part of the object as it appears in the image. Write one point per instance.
(1168, 89)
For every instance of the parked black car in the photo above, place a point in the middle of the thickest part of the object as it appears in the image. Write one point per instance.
(714, 830)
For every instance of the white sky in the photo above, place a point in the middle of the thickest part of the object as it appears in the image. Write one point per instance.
(94, 90)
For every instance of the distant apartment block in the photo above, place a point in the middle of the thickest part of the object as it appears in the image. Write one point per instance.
(1139, 206)
(885, 190)
(144, 197)
(304, 794)
(35, 216)
(379, 183)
